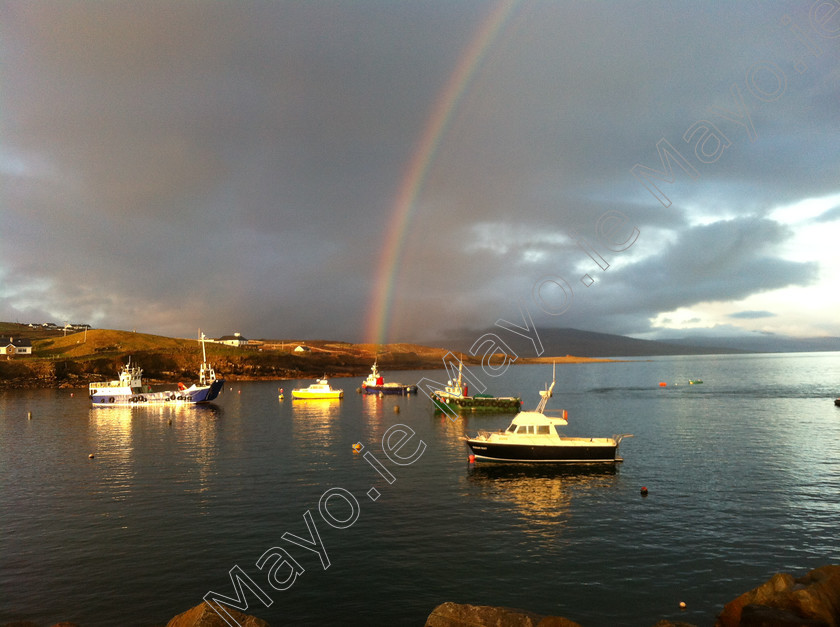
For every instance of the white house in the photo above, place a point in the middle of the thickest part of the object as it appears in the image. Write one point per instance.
(13, 346)
(233, 340)
(302, 349)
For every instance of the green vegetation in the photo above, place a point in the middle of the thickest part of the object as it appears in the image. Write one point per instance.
(74, 360)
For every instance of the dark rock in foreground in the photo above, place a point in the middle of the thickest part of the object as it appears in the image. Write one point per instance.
(812, 600)
(204, 616)
(783, 601)
(460, 615)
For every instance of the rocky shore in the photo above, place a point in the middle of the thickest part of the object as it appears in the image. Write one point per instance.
(783, 601)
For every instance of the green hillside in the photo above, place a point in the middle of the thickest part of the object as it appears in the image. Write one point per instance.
(76, 359)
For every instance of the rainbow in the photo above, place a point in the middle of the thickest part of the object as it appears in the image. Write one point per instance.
(379, 313)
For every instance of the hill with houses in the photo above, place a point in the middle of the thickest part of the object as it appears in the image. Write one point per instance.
(61, 357)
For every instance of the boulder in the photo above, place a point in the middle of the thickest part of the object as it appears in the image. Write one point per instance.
(203, 615)
(462, 615)
(811, 600)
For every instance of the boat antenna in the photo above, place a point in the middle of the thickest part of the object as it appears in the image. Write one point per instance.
(547, 393)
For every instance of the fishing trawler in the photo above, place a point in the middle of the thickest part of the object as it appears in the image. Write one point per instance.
(375, 384)
(532, 437)
(455, 395)
(130, 390)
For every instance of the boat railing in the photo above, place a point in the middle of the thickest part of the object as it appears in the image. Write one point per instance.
(106, 384)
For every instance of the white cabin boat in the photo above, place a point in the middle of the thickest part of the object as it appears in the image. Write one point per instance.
(532, 436)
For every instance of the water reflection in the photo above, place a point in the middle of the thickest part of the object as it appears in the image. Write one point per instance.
(314, 419)
(180, 442)
(542, 494)
(113, 442)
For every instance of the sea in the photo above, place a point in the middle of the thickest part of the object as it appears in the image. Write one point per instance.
(268, 500)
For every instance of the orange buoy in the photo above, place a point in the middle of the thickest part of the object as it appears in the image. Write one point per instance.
(90, 456)
(357, 447)
(472, 459)
(643, 491)
(662, 384)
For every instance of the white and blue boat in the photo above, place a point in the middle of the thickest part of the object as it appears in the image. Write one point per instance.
(375, 384)
(129, 389)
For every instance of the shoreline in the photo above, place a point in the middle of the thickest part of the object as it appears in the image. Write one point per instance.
(42, 373)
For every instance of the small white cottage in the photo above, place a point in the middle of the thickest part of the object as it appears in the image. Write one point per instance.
(15, 346)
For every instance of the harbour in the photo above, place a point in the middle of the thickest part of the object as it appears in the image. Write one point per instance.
(742, 475)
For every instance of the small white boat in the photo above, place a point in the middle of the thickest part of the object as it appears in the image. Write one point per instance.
(320, 389)
(532, 437)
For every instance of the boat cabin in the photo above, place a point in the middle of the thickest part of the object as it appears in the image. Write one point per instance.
(535, 423)
(130, 378)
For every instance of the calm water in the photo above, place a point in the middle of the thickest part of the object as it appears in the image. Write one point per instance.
(743, 474)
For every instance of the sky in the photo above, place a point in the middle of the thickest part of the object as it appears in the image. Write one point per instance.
(379, 171)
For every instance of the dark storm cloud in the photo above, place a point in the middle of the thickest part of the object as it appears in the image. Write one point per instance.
(173, 165)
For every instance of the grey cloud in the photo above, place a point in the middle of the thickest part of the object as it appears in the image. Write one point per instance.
(163, 163)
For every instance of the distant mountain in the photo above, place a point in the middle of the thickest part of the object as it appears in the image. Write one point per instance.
(764, 343)
(591, 344)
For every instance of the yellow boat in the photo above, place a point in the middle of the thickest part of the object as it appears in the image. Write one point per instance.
(320, 389)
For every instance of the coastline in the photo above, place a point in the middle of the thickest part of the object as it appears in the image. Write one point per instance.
(75, 360)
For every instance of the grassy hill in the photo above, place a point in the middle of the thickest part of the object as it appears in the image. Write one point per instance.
(76, 359)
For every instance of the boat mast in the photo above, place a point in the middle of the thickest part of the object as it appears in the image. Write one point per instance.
(205, 370)
(547, 393)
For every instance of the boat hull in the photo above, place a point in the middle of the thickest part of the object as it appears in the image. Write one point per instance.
(594, 452)
(478, 404)
(389, 389)
(303, 394)
(122, 397)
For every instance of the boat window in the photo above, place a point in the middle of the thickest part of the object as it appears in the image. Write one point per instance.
(511, 429)
(543, 430)
(522, 429)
